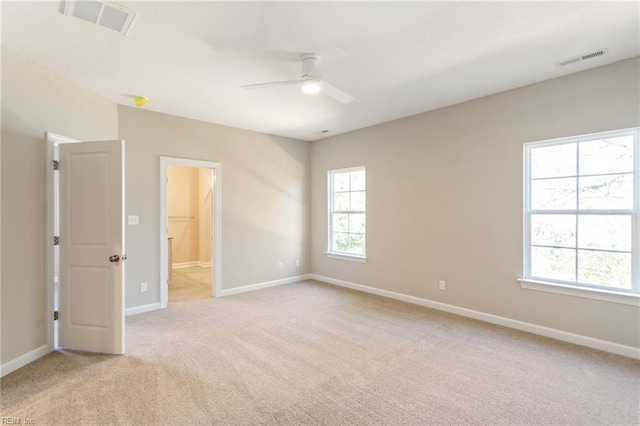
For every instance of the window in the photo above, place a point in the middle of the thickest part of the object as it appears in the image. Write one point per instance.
(347, 213)
(581, 212)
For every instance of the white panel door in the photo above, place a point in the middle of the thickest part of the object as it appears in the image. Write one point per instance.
(91, 308)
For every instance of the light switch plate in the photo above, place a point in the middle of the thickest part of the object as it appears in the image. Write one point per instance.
(133, 220)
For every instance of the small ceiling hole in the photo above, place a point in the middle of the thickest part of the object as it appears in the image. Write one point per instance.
(581, 58)
(593, 55)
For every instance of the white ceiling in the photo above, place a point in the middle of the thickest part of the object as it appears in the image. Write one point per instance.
(190, 58)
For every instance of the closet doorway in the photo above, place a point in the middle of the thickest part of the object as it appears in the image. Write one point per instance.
(189, 215)
(189, 194)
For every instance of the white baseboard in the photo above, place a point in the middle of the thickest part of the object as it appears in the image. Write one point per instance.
(33, 355)
(267, 284)
(141, 309)
(578, 339)
(23, 360)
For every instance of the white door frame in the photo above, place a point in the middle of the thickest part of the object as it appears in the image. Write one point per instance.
(51, 229)
(216, 210)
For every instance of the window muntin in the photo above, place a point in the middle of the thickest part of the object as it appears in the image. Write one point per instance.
(581, 211)
(347, 212)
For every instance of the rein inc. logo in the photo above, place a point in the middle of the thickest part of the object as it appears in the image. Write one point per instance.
(17, 421)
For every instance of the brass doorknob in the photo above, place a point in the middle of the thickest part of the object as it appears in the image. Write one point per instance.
(114, 259)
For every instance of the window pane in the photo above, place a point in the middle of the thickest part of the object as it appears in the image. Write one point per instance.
(356, 243)
(553, 161)
(596, 244)
(553, 230)
(340, 222)
(604, 268)
(613, 155)
(604, 232)
(611, 192)
(340, 241)
(357, 223)
(554, 263)
(357, 181)
(341, 202)
(341, 182)
(553, 194)
(358, 201)
(348, 218)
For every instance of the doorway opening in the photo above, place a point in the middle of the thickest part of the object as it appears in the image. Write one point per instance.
(189, 229)
(190, 232)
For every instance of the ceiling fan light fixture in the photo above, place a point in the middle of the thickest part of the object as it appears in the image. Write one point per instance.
(311, 80)
(311, 86)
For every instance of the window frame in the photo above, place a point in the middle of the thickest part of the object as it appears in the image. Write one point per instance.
(331, 253)
(575, 288)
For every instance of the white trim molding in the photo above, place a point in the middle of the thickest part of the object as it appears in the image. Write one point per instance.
(632, 299)
(266, 284)
(578, 339)
(571, 283)
(24, 359)
(142, 309)
(343, 256)
(333, 209)
(51, 141)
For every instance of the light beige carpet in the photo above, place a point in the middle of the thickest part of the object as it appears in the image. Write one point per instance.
(310, 353)
(190, 283)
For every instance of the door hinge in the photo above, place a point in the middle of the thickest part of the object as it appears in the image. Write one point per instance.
(56, 241)
(56, 164)
(55, 315)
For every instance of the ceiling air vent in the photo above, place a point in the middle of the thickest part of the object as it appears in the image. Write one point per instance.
(104, 14)
(582, 58)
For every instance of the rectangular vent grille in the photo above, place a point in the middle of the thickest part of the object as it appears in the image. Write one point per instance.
(104, 14)
(581, 58)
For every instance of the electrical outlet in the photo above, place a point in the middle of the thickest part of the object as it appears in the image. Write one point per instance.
(441, 284)
(297, 263)
(280, 265)
(144, 287)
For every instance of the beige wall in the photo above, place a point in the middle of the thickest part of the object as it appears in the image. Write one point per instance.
(35, 100)
(264, 190)
(444, 198)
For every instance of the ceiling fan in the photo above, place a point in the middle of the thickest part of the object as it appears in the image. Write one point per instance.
(314, 68)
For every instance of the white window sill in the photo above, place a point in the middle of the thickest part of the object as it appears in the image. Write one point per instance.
(588, 293)
(345, 256)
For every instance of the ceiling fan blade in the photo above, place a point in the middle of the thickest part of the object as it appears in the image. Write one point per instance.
(329, 60)
(272, 84)
(336, 93)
